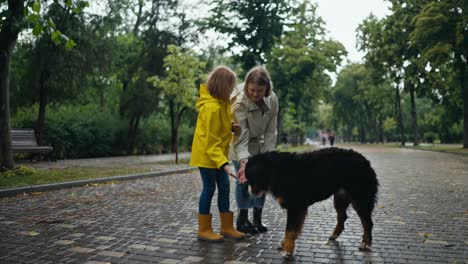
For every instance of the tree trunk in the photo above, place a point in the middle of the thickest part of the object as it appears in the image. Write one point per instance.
(6, 153)
(464, 87)
(179, 118)
(464, 84)
(8, 36)
(42, 107)
(399, 115)
(172, 113)
(414, 118)
(461, 56)
(380, 129)
(131, 134)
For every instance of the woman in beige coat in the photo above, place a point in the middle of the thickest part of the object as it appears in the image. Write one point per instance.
(255, 109)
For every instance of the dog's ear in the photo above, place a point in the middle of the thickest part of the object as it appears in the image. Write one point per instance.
(258, 170)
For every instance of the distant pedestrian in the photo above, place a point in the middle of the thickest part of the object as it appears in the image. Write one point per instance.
(331, 138)
(324, 137)
(210, 149)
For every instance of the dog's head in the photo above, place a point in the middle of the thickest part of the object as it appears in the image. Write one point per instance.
(257, 172)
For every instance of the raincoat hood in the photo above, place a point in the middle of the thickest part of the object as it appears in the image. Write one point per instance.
(205, 97)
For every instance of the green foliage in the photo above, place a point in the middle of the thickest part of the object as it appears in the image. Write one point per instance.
(389, 124)
(183, 70)
(19, 172)
(300, 64)
(77, 131)
(252, 24)
(179, 89)
(441, 34)
(155, 135)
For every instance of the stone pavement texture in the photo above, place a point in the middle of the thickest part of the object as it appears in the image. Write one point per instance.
(421, 217)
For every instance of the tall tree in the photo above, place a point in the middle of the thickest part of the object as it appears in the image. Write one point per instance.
(15, 16)
(300, 63)
(384, 55)
(147, 27)
(252, 26)
(178, 87)
(441, 32)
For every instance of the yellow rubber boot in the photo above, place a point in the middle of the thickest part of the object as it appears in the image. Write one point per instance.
(227, 227)
(205, 232)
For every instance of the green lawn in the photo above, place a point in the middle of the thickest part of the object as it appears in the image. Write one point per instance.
(448, 148)
(296, 148)
(25, 176)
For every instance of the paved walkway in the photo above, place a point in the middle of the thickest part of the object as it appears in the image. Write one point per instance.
(421, 217)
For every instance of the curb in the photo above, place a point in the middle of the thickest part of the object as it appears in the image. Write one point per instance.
(62, 185)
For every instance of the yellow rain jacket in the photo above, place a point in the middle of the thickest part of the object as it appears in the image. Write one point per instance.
(213, 132)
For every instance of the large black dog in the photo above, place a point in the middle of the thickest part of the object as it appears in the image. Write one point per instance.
(298, 180)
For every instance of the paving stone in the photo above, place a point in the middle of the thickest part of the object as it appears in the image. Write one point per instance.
(170, 261)
(112, 254)
(193, 259)
(420, 217)
(64, 242)
(106, 238)
(81, 249)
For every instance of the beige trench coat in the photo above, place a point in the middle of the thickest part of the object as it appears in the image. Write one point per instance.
(258, 131)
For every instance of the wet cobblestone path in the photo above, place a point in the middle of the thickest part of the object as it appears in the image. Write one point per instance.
(421, 217)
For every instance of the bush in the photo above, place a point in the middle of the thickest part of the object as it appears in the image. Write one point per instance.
(19, 171)
(430, 137)
(77, 131)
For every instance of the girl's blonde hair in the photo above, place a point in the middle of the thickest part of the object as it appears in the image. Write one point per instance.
(259, 76)
(221, 81)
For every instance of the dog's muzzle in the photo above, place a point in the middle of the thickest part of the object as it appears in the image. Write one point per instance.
(256, 192)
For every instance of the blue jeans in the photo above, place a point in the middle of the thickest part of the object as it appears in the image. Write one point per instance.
(243, 198)
(211, 178)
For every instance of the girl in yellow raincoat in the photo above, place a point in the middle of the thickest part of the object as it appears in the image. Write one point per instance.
(210, 150)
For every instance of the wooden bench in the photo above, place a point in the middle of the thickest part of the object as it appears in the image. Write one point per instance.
(24, 141)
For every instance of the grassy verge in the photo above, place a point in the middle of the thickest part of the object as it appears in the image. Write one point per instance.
(448, 148)
(296, 148)
(25, 176)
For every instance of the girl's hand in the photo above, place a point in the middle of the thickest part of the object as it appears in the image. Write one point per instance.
(236, 128)
(229, 171)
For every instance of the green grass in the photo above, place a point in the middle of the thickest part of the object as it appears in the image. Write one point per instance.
(448, 148)
(296, 149)
(25, 176)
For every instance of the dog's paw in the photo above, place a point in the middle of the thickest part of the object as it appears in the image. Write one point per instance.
(333, 237)
(364, 247)
(287, 255)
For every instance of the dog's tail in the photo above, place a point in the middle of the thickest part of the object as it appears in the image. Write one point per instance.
(367, 189)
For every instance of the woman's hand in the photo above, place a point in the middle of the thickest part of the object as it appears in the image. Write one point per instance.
(241, 171)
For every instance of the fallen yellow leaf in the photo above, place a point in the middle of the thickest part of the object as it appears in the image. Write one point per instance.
(33, 233)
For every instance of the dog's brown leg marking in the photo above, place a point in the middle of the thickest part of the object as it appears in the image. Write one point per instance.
(366, 220)
(295, 222)
(341, 202)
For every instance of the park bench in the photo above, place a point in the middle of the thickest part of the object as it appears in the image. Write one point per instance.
(24, 141)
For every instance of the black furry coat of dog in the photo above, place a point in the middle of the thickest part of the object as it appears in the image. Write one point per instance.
(298, 180)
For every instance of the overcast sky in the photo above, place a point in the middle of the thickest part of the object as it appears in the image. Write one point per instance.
(344, 16)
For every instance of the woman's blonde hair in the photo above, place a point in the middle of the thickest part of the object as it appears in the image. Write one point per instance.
(221, 81)
(259, 76)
